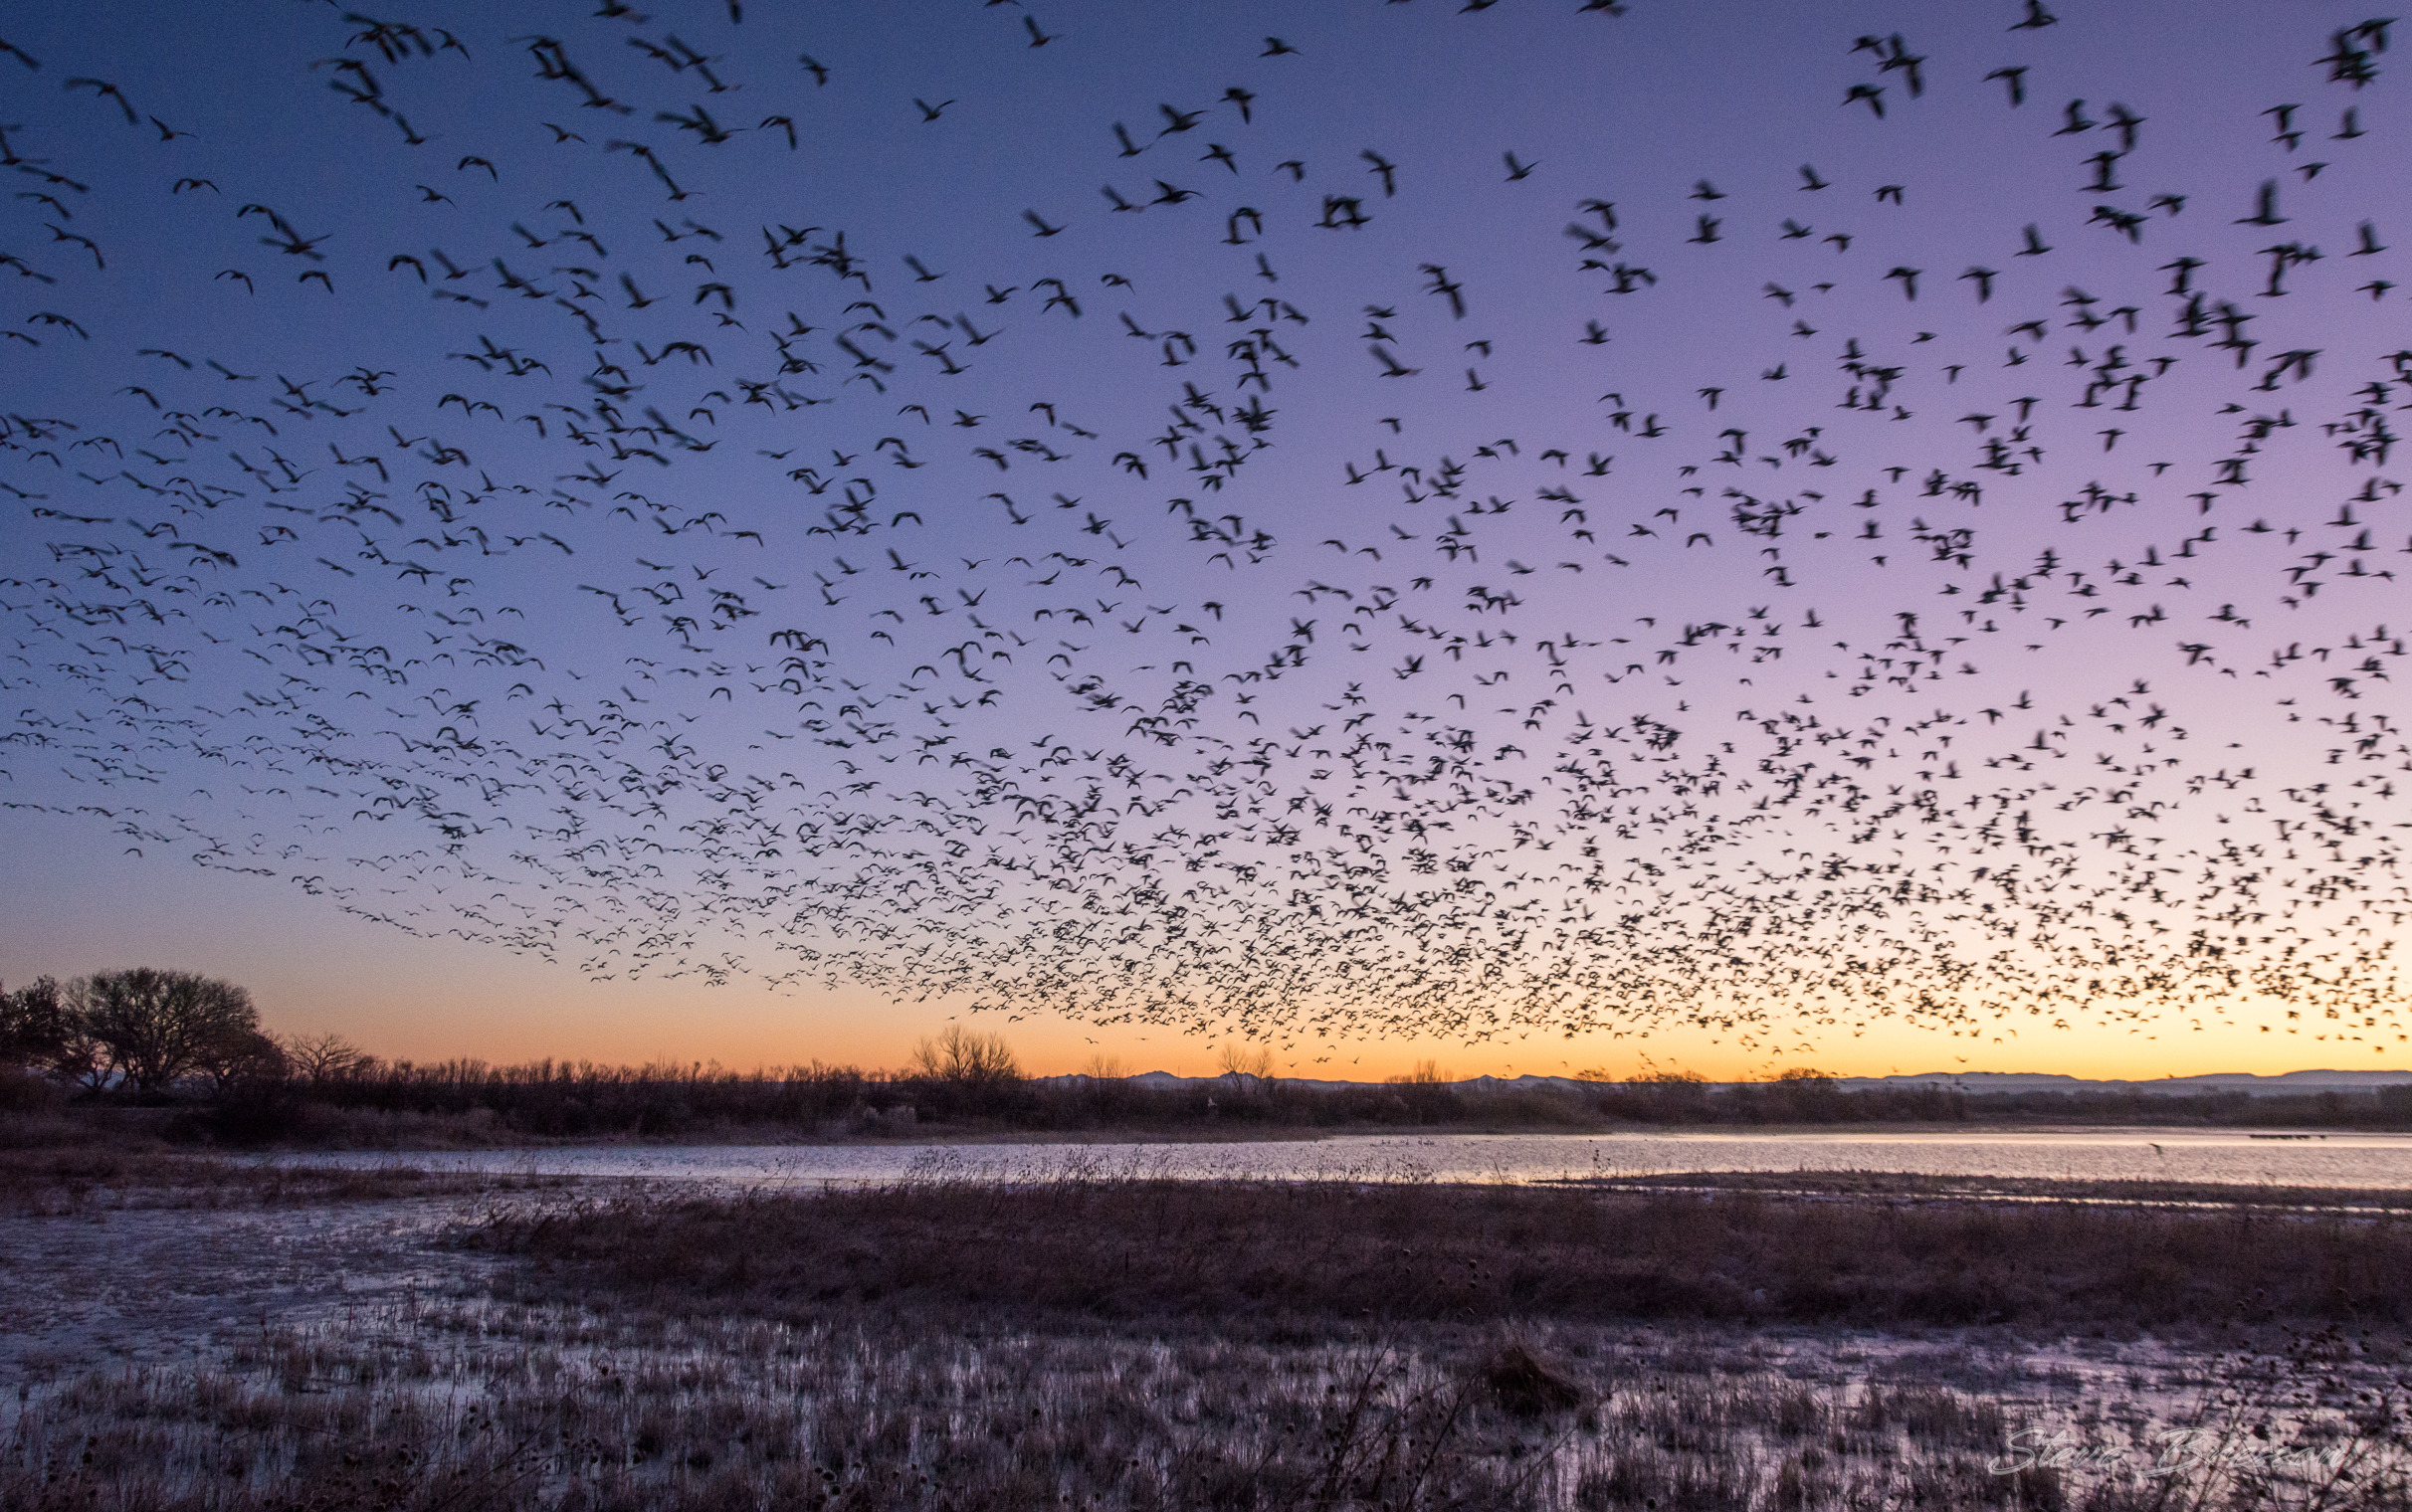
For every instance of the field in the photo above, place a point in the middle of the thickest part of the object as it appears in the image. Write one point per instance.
(186, 1333)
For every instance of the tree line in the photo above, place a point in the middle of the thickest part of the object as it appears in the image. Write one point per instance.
(169, 1037)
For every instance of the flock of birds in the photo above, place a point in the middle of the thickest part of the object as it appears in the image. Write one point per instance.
(1224, 602)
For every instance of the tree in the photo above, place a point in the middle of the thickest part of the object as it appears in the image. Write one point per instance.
(160, 1026)
(1242, 1063)
(242, 1056)
(81, 1058)
(35, 1026)
(963, 1071)
(321, 1059)
(966, 1058)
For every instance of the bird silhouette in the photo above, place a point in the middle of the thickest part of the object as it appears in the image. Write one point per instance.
(1214, 671)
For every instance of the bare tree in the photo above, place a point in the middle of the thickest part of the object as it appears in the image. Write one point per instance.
(966, 1058)
(321, 1059)
(82, 1059)
(160, 1026)
(1243, 1062)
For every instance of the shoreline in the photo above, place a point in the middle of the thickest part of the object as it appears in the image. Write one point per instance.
(770, 1136)
(1914, 1187)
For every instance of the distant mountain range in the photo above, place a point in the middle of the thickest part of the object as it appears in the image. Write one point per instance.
(1975, 1083)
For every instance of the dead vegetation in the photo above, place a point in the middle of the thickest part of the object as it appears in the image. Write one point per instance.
(1082, 1337)
(1076, 1238)
(60, 1179)
(1912, 1184)
(480, 1402)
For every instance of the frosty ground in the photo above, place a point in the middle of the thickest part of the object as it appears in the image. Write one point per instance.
(187, 1332)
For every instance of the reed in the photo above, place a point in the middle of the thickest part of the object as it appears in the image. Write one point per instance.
(484, 1403)
(1084, 1335)
(58, 1179)
(1079, 1237)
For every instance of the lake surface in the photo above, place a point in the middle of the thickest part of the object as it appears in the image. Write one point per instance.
(2125, 1154)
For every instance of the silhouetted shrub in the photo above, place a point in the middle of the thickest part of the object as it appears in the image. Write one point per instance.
(261, 1111)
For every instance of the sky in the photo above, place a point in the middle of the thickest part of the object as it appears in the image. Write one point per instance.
(1540, 536)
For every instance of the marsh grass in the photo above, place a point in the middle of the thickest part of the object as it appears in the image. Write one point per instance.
(1093, 1336)
(1080, 1240)
(483, 1403)
(62, 1179)
(1912, 1185)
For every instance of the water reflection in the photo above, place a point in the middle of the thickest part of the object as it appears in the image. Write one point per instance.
(2126, 1153)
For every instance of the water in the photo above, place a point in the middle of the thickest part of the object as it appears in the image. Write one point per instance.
(2378, 1161)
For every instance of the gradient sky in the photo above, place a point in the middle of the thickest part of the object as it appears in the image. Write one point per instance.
(1639, 558)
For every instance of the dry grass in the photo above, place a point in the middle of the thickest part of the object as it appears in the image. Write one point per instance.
(1077, 1241)
(55, 1180)
(1915, 1184)
(479, 1403)
(966, 1343)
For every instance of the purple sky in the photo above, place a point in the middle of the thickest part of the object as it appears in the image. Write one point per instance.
(1541, 537)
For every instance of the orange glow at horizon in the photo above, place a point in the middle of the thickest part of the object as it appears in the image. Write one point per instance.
(432, 999)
